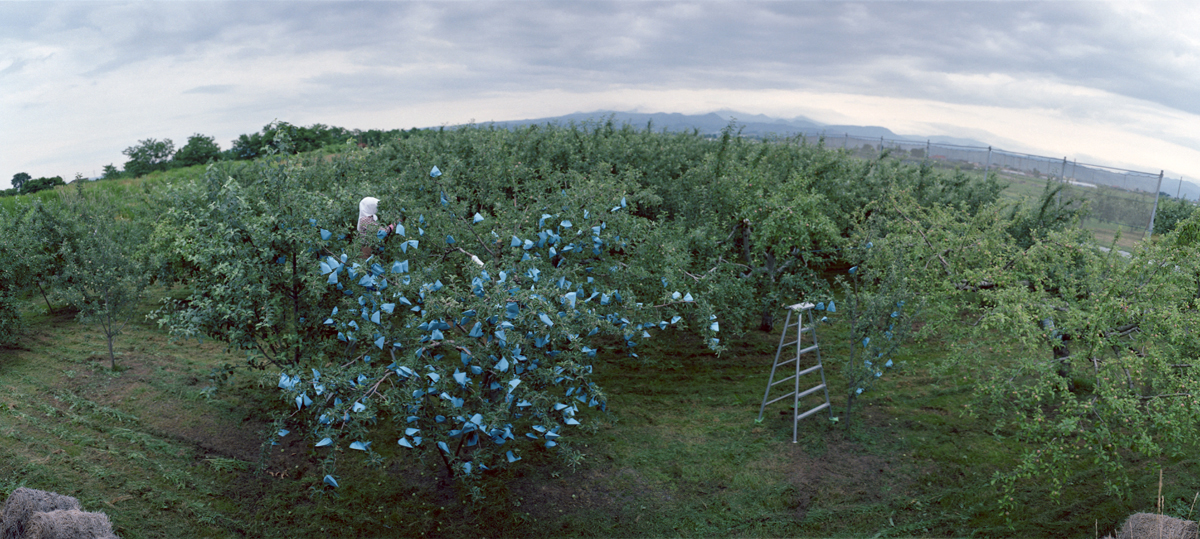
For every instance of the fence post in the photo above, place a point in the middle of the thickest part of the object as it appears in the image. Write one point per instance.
(1150, 231)
(1062, 178)
(988, 164)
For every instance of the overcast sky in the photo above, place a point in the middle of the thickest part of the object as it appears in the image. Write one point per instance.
(1114, 83)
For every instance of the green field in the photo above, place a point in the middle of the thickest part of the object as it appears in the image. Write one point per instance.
(1026, 190)
(130, 190)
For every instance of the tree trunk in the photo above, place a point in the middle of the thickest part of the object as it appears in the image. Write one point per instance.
(767, 322)
(295, 309)
(446, 462)
(49, 309)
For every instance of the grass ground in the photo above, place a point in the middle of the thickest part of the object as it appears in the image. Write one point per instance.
(122, 188)
(1027, 190)
(679, 454)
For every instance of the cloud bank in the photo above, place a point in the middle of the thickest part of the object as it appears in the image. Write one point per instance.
(1110, 82)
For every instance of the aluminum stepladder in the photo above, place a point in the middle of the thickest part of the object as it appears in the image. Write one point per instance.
(801, 311)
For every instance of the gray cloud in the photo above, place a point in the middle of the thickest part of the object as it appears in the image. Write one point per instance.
(211, 89)
(888, 48)
(16, 66)
(364, 56)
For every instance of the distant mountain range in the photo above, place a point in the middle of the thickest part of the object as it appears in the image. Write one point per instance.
(758, 125)
(755, 125)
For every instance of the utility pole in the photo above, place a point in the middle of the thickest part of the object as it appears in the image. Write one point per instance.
(1150, 232)
(1062, 178)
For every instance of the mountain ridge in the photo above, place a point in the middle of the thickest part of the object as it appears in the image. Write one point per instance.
(758, 125)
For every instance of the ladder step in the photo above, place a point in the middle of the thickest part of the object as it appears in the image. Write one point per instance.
(813, 411)
(782, 363)
(775, 400)
(777, 382)
(790, 343)
(794, 394)
(808, 392)
(808, 370)
(807, 350)
(801, 373)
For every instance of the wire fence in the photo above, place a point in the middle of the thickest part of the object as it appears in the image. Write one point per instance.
(1121, 201)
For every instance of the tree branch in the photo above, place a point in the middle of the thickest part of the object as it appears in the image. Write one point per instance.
(929, 244)
(1148, 397)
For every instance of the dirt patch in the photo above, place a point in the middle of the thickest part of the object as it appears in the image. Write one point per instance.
(216, 438)
(598, 489)
(842, 472)
(140, 390)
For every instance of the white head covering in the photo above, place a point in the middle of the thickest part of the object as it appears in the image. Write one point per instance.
(367, 207)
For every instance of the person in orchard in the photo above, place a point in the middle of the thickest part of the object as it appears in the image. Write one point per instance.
(368, 223)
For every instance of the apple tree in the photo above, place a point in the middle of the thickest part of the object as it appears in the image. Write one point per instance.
(472, 335)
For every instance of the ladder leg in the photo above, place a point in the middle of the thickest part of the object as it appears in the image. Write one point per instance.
(822, 369)
(771, 380)
(796, 391)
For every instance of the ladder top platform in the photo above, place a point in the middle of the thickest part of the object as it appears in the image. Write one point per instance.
(801, 306)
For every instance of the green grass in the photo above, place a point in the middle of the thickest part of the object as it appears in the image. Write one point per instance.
(680, 453)
(126, 188)
(1026, 190)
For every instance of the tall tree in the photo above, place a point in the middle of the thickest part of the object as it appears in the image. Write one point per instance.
(19, 179)
(108, 278)
(40, 184)
(15, 276)
(247, 146)
(148, 156)
(200, 149)
(110, 172)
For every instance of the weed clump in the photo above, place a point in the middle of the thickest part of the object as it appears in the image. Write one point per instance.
(69, 524)
(1148, 525)
(23, 503)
